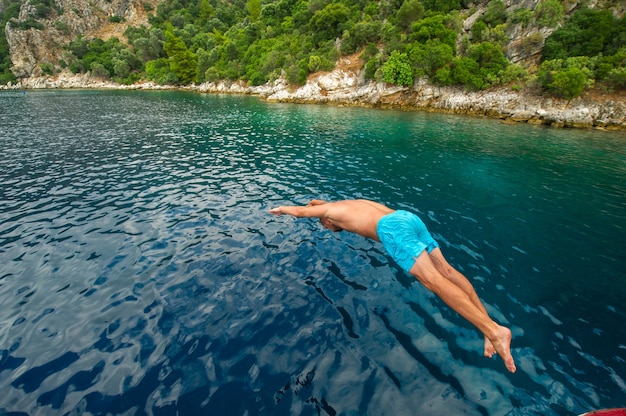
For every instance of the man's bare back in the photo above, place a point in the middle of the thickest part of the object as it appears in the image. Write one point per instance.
(358, 216)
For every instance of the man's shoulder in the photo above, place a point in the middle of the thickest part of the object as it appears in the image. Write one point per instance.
(348, 203)
(357, 205)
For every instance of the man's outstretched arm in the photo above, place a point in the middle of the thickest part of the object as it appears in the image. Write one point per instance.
(310, 211)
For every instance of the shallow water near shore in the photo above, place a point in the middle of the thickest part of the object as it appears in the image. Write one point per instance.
(140, 272)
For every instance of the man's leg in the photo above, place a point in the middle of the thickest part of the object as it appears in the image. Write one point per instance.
(456, 277)
(460, 301)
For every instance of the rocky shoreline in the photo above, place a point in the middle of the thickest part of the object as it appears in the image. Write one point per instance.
(346, 87)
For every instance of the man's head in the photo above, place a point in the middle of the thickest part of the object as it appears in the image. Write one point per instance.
(327, 223)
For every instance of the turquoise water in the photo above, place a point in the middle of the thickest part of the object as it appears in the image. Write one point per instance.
(140, 272)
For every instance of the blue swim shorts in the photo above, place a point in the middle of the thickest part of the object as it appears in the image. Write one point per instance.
(404, 236)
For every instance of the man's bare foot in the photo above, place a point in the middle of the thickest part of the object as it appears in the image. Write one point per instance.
(489, 349)
(502, 345)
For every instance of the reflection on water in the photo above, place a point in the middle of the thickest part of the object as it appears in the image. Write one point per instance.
(141, 272)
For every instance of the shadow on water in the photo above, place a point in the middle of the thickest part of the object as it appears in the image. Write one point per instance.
(142, 274)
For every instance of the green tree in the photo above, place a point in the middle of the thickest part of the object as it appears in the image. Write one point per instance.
(98, 70)
(46, 68)
(126, 55)
(483, 67)
(464, 71)
(148, 43)
(371, 50)
(479, 28)
(205, 61)
(212, 75)
(397, 69)
(409, 12)
(254, 9)
(495, 13)
(514, 73)
(121, 68)
(360, 35)
(443, 6)
(326, 22)
(489, 57)
(433, 27)
(549, 13)
(429, 57)
(183, 62)
(568, 83)
(315, 63)
(496, 35)
(588, 33)
(158, 70)
(205, 12)
(617, 78)
(366, 32)
(612, 69)
(370, 69)
(98, 56)
(564, 78)
(79, 47)
(523, 16)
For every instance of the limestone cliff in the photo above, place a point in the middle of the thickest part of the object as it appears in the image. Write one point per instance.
(345, 85)
(70, 18)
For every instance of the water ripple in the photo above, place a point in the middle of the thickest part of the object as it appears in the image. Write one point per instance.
(141, 272)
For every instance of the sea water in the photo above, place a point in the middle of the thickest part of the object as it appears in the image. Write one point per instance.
(140, 271)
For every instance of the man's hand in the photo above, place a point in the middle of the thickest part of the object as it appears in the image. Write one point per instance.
(276, 211)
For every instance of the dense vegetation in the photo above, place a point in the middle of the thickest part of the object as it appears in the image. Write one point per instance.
(211, 40)
(590, 47)
(8, 10)
(194, 41)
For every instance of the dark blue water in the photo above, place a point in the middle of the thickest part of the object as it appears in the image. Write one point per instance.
(140, 272)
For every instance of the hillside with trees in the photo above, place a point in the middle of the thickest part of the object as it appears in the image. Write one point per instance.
(563, 47)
